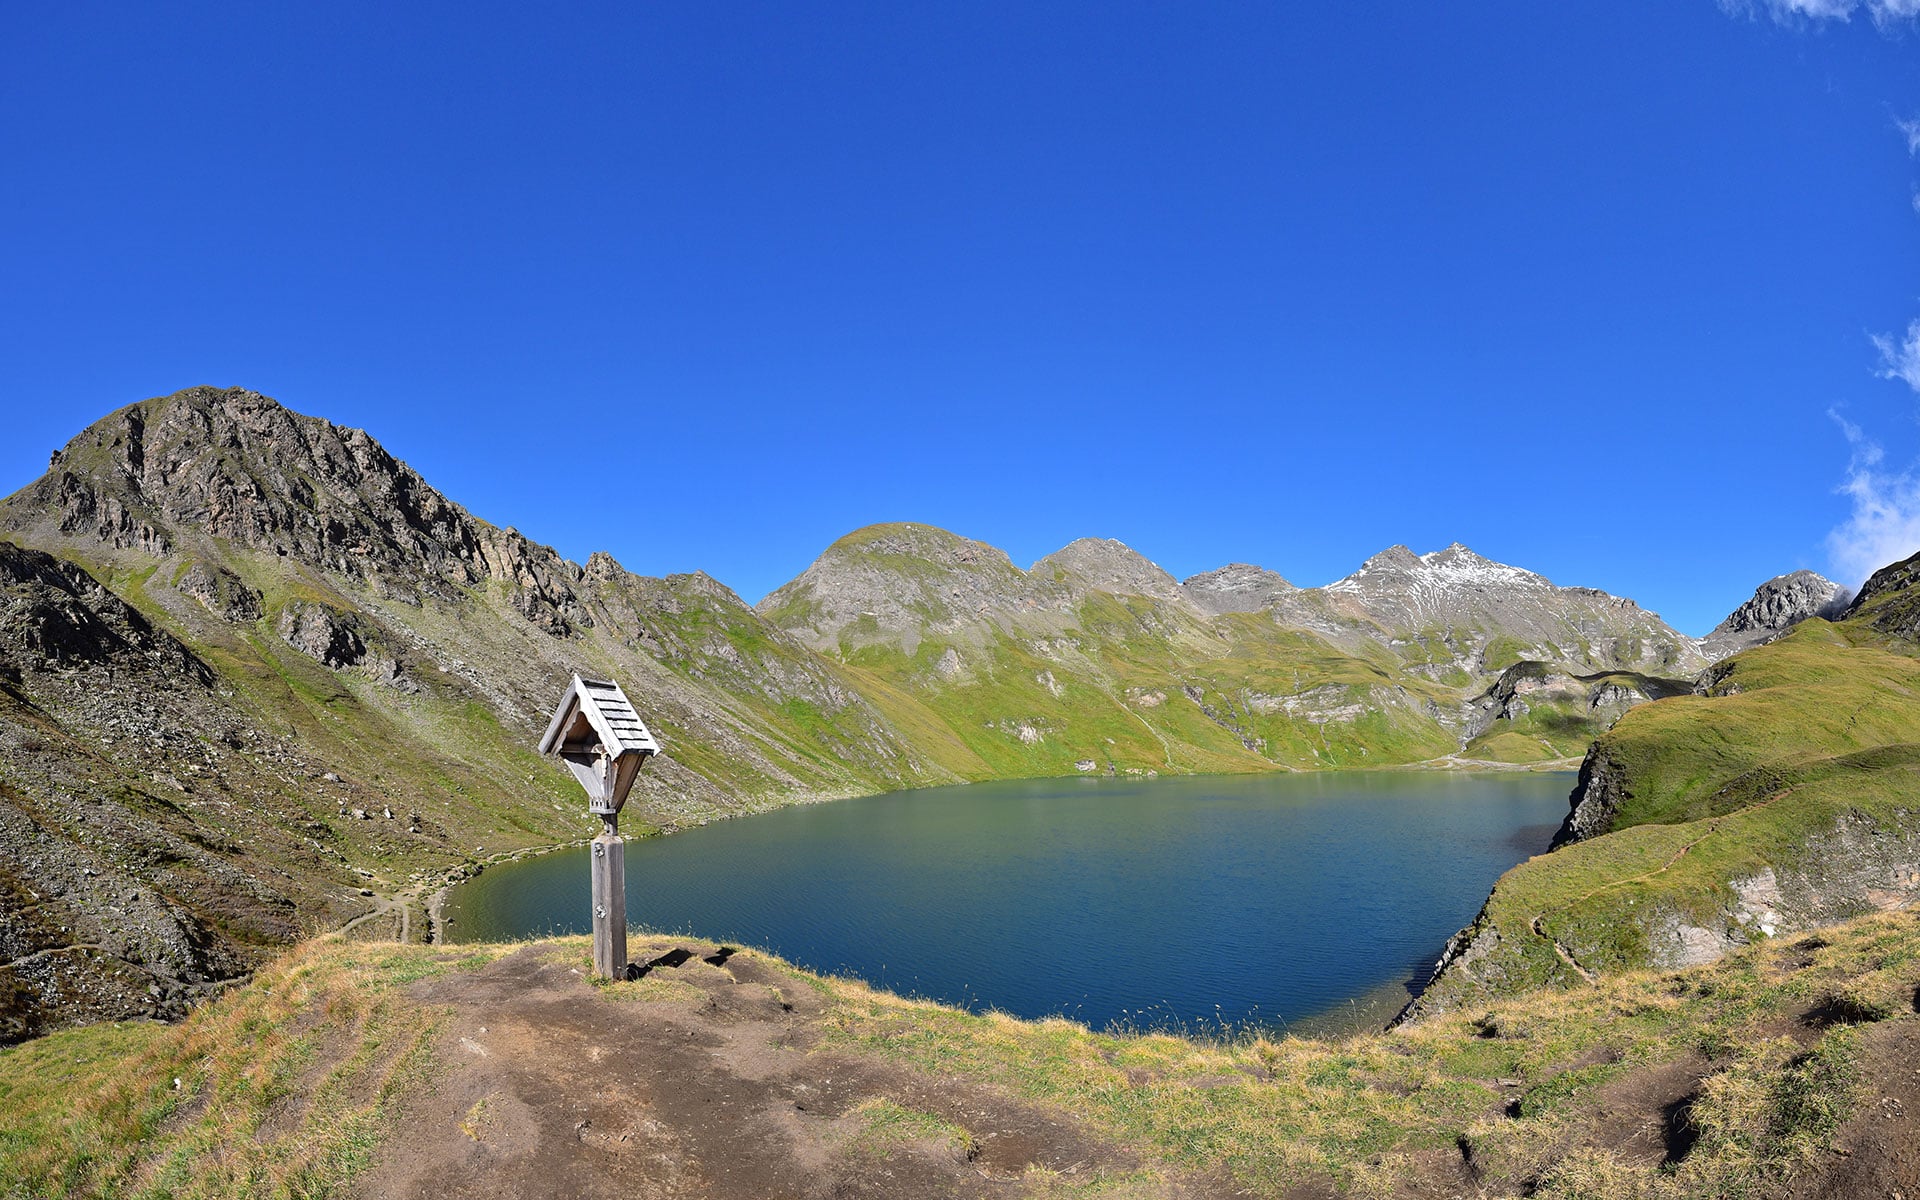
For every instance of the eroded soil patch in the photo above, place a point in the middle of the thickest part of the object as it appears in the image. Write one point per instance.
(1878, 1151)
(701, 1078)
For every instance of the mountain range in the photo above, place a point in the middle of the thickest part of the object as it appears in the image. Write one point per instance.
(258, 678)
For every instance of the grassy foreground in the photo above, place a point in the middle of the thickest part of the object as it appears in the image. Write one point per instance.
(1728, 1080)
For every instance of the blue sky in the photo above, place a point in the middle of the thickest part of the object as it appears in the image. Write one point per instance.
(1583, 286)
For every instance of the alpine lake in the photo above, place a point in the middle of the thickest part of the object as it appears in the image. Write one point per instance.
(1315, 903)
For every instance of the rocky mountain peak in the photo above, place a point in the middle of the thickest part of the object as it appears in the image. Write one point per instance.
(1894, 577)
(1460, 566)
(1236, 587)
(1397, 568)
(1785, 599)
(602, 568)
(1466, 600)
(916, 542)
(209, 465)
(699, 583)
(1890, 600)
(1775, 607)
(897, 581)
(1391, 560)
(1109, 565)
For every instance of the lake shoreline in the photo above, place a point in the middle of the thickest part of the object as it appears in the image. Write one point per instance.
(943, 884)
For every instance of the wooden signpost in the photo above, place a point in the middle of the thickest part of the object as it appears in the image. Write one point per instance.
(596, 732)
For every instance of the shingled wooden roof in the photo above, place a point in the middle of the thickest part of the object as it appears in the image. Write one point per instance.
(607, 713)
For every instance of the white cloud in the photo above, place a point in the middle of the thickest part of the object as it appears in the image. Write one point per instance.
(1885, 525)
(1883, 12)
(1900, 360)
(1911, 131)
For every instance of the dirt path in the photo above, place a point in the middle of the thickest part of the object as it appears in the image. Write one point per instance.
(387, 906)
(708, 1077)
(1538, 924)
(428, 897)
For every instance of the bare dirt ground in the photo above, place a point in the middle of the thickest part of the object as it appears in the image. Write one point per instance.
(716, 1075)
(1878, 1152)
(704, 1079)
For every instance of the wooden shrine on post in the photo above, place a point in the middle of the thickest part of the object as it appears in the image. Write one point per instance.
(603, 741)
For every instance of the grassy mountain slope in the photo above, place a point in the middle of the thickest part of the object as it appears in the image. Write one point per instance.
(266, 670)
(1779, 798)
(1095, 659)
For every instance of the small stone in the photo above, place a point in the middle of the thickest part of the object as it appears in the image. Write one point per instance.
(330, 777)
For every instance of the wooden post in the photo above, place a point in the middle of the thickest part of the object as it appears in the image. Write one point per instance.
(610, 903)
(603, 742)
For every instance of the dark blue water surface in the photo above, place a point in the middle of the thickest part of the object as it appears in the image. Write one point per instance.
(1175, 901)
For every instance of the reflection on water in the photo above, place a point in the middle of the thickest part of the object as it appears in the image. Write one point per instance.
(1533, 839)
(1195, 902)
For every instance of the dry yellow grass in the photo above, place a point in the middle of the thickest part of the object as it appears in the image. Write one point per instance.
(285, 1085)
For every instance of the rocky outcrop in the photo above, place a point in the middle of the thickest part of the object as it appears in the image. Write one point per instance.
(1599, 700)
(1450, 608)
(219, 591)
(1236, 587)
(1860, 864)
(1890, 601)
(899, 584)
(1470, 963)
(1106, 565)
(54, 615)
(233, 465)
(1776, 606)
(1597, 796)
(339, 641)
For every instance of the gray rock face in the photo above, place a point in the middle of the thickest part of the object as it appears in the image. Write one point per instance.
(53, 614)
(1236, 587)
(1459, 606)
(1890, 601)
(339, 641)
(1106, 565)
(899, 583)
(230, 464)
(220, 591)
(1859, 865)
(322, 634)
(1596, 799)
(1777, 606)
(1602, 698)
(1892, 578)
